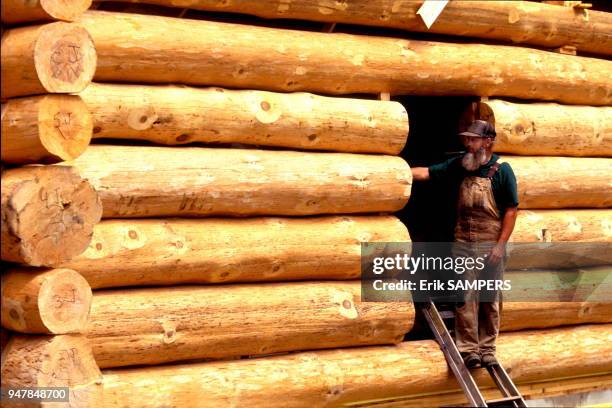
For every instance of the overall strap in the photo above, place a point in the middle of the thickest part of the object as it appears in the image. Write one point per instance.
(493, 170)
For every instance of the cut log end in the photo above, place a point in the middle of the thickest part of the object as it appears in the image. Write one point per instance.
(65, 10)
(19, 11)
(65, 58)
(45, 129)
(55, 301)
(49, 215)
(65, 126)
(53, 361)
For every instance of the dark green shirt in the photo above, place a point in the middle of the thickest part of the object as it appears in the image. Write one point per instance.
(503, 182)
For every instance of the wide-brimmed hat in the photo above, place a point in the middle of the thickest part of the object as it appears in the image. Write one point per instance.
(480, 128)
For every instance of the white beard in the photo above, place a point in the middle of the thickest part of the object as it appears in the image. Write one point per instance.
(472, 161)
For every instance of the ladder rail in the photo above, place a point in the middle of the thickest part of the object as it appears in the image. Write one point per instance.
(453, 357)
(467, 383)
(508, 384)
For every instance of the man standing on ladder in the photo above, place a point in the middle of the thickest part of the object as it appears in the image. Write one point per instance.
(486, 213)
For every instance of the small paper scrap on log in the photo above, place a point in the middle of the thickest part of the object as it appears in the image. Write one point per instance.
(430, 10)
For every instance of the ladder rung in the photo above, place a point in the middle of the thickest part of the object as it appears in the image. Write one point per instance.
(506, 399)
(447, 314)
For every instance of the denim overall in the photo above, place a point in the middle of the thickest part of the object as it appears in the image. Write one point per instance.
(478, 221)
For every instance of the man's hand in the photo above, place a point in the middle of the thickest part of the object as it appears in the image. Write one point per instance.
(420, 173)
(497, 253)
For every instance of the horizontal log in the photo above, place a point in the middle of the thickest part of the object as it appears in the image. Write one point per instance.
(530, 391)
(561, 239)
(172, 251)
(562, 182)
(331, 378)
(547, 314)
(51, 58)
(546, 129)
(54, 301)
(143, 181)
(53, 361)
(568, 225)
(48, 214)
(45, 129)
(174, 115)
(20, 11)
(153, 49)
(159, 325)
(520, 22)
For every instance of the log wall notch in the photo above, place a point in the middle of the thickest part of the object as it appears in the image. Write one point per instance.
(50, 58)
(45, 129)
(48, 214)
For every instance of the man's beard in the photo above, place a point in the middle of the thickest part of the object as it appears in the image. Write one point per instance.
(472, 161)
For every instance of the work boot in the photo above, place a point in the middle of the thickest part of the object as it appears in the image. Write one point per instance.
(471, 360)
(488, 360)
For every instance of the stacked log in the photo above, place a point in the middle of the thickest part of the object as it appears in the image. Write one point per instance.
(546, 129)
(50, 58)
(53, 361)
(266, 258)
(157, 325)
(45, 301)
(45, 129)
(19, 11)
(241, 182)
(153, 49)
(521, 22)
(172, 115)
(171, 251)
(331, 378)
(48, 214)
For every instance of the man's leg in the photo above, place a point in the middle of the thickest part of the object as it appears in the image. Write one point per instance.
(466, 331)
(488, 322)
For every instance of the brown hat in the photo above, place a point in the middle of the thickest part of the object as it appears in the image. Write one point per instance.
(480, 128)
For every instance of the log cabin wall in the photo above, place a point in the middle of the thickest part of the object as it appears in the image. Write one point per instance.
(238, 153)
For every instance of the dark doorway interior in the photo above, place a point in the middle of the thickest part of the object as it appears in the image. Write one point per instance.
(434, 125)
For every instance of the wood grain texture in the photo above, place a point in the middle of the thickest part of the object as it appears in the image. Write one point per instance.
(330, 378)
(45, 301)
(220, 250)
(45, 129)
(159, 325)
(562, 182)
(546, 129)
(48, 214)
(521, 22)
(50, 58)
(144, 181)
(152, 49)
(174, 115)
(21, 11)
(53, 361)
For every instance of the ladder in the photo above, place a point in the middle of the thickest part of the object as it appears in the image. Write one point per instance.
(512, 396)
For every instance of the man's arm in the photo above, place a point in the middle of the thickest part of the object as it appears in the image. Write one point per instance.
(420, 173)
(507, 227)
